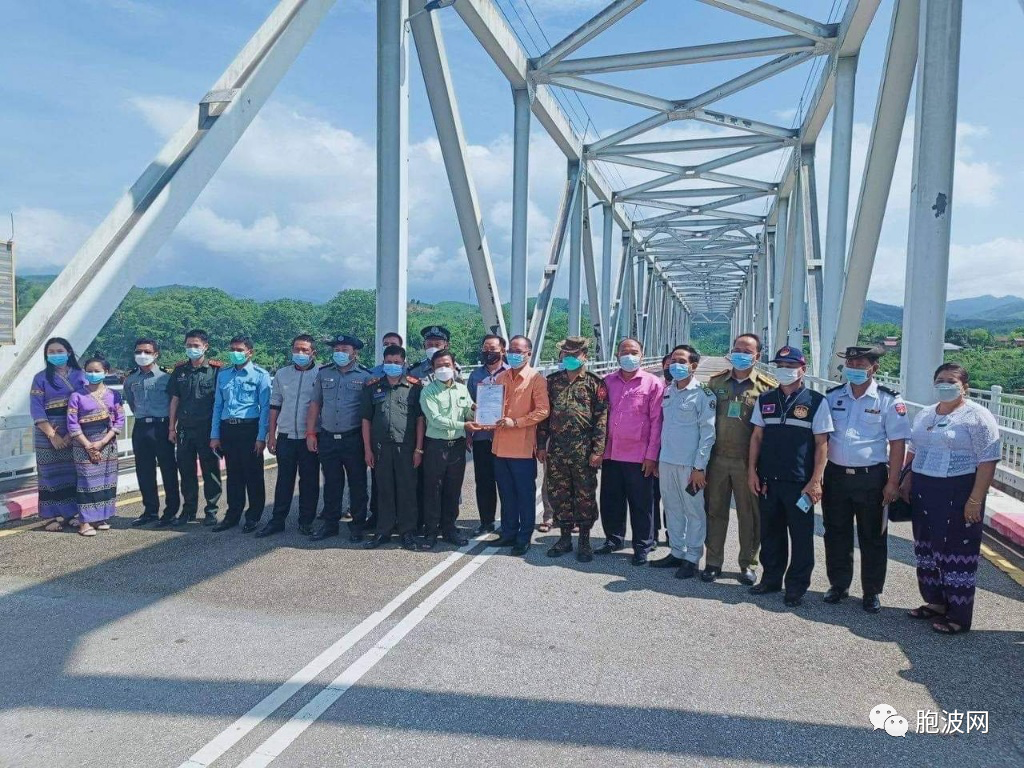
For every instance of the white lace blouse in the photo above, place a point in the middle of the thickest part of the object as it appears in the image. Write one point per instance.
(954, 444)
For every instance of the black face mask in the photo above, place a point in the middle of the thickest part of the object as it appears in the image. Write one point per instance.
(668, 376)
(490, 358)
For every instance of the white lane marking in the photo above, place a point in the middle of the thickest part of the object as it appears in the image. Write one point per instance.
(281, 739)
(235, 732)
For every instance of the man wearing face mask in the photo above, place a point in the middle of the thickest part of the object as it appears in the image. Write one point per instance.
(788, 452)
(656, 506)
(631, 453)
(145, 391)
(687, 434)
(435, 339)
(192, 386)
(570, 445)
(241, 416)
(736, 392)
(291, 392)
(389, 339)
(334, 430)
(492, 359)
(865, 456)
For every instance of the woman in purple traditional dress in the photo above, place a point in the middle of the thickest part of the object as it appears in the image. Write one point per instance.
(95, 416)
(953, 453)
(48, 402)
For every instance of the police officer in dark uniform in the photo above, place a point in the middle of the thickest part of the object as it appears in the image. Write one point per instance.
(865, 456)
(435, 339)
(788, 452)
(192, 388)
(145, 391)
(393, 430)
(337, 402)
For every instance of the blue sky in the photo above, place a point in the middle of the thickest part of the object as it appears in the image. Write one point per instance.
(91, 89)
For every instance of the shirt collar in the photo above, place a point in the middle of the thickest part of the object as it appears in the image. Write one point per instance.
(691, 384)
(871, 391)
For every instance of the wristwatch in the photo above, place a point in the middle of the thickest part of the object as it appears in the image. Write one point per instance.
(418, 450)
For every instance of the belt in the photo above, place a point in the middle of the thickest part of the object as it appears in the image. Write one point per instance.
(449, 443)
(239, 421)
(854, 470)
(152, 419)
(340, 435)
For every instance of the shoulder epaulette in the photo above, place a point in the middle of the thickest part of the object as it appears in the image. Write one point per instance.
(708, 391)
(165, 370)
(183, 362)
(215, 363)
(413, 380)
(837, 386)
(888, 390)
(720, 373)
(593, 375)
(770, 380)
(371, 382)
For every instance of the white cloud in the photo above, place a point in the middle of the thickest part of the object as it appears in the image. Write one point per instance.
(264, 235)
(45, 240)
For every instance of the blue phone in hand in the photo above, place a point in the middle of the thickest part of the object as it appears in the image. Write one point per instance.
(804, 503)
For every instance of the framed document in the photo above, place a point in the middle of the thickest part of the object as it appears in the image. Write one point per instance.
(490, 402)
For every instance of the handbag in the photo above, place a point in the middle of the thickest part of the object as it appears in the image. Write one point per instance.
(899, 511)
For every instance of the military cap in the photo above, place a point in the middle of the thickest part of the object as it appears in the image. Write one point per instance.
(344, 338)
(790, 355)
(436, 332)
(854, 353)
(574, 345)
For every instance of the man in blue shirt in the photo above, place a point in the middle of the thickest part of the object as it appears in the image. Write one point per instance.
(241, 415)
(492, 358)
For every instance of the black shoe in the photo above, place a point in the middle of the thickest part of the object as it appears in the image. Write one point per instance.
(520, 549)
(687, 570)
(325, 532)
(561, 547)
(409, 542)
(346, 515)
(377, 540)
(640, 558)
(764, 589)
(501, 543)
(182, 520)
(306, 529)
(792, 600)
(355, 533)
(165, 522)
(606, 549)
(250, 525)
(143, 520)
(710, 573)
(455, 539)
(835, 595)
(667, 562)
(268, 530)
(210, 519)
(871, 603)
(427, 543)
(485, 528)
(224, 526)
(747, 576)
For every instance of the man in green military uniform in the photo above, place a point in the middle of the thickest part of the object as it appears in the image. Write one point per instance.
(393, 429)
(736, 390)
(570, 444)
(192, 388)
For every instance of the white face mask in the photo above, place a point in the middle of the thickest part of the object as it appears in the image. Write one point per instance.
(144, 359)
(948, 392)
(431, 351)
(787, 376)
(444, 373)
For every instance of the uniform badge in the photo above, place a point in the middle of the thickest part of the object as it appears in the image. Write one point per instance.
(900, 408)
(767, 408)
(801, 411)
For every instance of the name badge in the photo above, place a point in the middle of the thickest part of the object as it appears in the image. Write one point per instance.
(734, 410)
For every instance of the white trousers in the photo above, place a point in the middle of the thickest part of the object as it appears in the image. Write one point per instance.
(685, 518)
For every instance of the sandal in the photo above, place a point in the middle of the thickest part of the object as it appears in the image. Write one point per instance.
(103, 526)
(948, 628)
(56, 525)
(86, 530)
(925, 612)
(544, 527)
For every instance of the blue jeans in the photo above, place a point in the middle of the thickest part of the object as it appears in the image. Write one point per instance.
(517, 487)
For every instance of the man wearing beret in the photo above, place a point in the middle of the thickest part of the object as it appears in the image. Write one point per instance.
(865, 456)
(337, 404)
(570, 444)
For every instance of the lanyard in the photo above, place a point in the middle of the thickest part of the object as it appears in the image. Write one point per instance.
(785, 403)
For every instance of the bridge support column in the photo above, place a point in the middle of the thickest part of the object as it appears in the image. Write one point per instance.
(576, 253)
(520, 208)
(812, 256)
(931, 197)
(796, 267)
(780, 314)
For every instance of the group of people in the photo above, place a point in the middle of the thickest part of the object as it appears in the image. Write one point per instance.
(767, 445)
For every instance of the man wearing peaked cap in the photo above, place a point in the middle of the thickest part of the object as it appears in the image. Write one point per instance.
(435, 338)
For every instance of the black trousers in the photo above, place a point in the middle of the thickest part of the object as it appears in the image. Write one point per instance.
(623, 483)
(194, 445)
(787, 538)
(848, 498)
(293, 458)
(395, 479)
(444, 469)
(486, 485)
(152, 448)
(245, 471)
(342, 459)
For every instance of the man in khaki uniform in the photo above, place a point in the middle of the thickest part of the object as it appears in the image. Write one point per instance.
(736, 391)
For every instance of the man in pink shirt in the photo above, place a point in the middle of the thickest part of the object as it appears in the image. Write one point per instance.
(631, 453)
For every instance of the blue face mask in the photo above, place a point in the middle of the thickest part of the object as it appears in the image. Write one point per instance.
(341, 359)
(95, 377)
(515, 359)
(300, 359)
(679, 371)
(571, 363)
(393, 369)
(237, 358)
(741, 361)
(855, 375)
(194, 353)
(629, 362)
(58, 360)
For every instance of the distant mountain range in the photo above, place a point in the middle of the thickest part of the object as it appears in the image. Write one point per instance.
(993, 312)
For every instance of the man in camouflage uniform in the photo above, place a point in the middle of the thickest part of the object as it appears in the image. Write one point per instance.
(570, 444)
